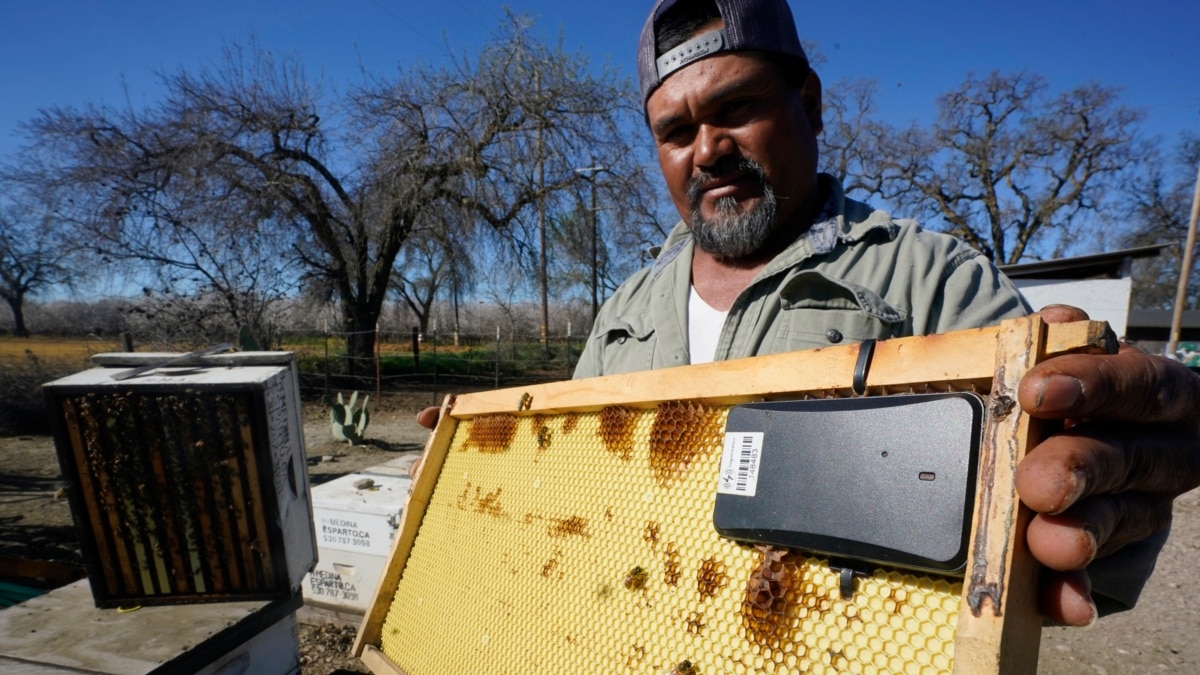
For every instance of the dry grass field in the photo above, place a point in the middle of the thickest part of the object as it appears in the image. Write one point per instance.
(74, 351)
(28, 363)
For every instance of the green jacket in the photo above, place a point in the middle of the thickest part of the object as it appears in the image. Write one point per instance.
(856, 274)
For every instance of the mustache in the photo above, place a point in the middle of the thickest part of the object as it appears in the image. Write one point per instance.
(725, 166)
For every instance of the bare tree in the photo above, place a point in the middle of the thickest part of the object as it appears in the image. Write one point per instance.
(556, 117)
(172, 196)
(847, 144)
(255, 150)
(1006, 163)
(606, 226)
(440, 256)
(1160, 204)
(533, 114)
(33, 257)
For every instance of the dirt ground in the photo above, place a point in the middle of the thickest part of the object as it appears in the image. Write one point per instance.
(1157, 637)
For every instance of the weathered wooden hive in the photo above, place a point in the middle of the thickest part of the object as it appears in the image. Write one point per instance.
(186, 484)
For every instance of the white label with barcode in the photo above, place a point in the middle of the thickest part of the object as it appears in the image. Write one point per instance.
(740, 462)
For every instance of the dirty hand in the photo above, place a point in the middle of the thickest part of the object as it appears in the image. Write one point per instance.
(1130, 445)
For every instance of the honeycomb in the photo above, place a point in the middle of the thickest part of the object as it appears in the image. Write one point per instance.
(583, 542)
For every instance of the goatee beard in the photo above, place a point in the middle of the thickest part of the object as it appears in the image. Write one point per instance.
(734, 233)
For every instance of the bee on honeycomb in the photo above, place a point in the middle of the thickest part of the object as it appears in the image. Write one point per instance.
(636, 579)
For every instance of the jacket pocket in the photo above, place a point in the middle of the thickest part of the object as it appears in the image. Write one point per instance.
(621, 330)
(819, 311)
(626, 344)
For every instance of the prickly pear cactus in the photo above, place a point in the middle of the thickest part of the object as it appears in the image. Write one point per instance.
(349, 424)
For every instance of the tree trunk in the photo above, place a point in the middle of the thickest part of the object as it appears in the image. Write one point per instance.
(18, 311)
(360, 323)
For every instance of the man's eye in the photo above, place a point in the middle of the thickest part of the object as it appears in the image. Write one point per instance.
(740, 106)
(677, 135)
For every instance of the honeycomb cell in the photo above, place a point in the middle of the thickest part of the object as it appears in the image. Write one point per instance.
(616, 430)
(679, 435)
(533, 541)
(492, 433)
(570, 420)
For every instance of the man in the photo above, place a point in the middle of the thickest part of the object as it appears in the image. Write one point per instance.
(770, 256)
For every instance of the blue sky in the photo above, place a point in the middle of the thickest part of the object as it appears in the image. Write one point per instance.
(70, 52)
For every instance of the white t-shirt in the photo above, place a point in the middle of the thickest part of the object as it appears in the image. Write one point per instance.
(704, 328)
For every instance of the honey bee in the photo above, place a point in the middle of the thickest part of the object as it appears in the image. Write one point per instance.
(636, 579)
(684, 667)
(543, 438)
(525, 401)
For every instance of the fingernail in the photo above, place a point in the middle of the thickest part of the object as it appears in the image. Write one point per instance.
(1079, 480)
(1059, 393)
(1093, 545)
(1095, 614)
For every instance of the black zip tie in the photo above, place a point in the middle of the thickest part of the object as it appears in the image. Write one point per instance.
(866, 349)
(847, 583)
(847, 570)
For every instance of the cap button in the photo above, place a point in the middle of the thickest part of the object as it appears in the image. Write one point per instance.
(833, 335)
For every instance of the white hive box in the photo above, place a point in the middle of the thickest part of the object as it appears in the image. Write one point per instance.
(394, 467)
(187, 484)
(355, 531)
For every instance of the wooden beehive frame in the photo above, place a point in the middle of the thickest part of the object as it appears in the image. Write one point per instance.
(999, 625)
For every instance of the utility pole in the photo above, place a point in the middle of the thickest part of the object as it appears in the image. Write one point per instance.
(541, 172)
(1185, 271)
(595, 254)
(589, 173)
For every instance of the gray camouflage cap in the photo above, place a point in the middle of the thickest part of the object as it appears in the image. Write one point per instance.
(750, 25)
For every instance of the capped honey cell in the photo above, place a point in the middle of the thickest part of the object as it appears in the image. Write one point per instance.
(491, 433)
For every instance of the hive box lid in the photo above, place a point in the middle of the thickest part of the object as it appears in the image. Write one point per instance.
(385, 497)
(239, 367)
(360, 520)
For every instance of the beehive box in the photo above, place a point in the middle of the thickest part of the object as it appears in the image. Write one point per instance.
(356, 527)
(186, 484)
(568, 528)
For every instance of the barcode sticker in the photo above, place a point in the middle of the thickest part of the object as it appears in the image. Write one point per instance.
(740, 462)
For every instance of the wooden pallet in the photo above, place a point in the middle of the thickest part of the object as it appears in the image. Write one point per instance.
(567, 527)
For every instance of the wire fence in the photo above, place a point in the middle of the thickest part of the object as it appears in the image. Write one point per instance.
(443, 362)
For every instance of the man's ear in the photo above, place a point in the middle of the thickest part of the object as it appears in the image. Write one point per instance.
(811, 97)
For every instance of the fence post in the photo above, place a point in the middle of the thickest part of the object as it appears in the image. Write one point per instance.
(497, 356)
(378, 365)
(126, 342)
(435, 367)
(416, 346)
(326, 364)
